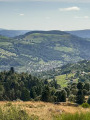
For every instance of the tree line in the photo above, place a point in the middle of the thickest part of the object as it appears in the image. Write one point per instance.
(24, 86)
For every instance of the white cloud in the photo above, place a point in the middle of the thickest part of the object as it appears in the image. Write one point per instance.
(82, 17)
(21, 14)
(86, 17)
(74, 8)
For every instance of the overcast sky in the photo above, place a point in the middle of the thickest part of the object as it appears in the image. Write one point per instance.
(45, 14)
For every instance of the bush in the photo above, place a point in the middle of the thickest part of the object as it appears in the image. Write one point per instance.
(85, 105)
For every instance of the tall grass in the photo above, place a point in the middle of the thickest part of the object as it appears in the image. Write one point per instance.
(11, 111)
(15, 113)
(76, 116)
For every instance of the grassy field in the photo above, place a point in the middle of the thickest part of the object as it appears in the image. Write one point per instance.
(41, 111)
(64, 79)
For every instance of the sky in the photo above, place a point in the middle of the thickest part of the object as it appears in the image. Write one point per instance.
(45, 14)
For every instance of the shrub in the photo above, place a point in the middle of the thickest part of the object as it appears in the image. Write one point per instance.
(85, 105)
(13, 113)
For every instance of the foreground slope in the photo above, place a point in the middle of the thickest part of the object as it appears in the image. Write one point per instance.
(18, 110)
(42, 50)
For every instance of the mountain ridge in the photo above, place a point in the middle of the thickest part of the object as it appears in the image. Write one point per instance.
(42, 50)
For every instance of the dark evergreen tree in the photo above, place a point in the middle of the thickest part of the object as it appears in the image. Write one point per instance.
(12, 70)
(80, 97)
(25, 95)
(33, 93)
(63, 96)
(80, 85)
(46, 94)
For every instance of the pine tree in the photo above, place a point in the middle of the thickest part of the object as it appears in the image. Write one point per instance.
(80, 97)
(46, 94)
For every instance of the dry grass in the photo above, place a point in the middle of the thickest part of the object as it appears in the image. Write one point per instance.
(44, 111)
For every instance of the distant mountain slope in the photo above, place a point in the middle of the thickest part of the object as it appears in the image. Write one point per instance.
(1, 29)
(42, 50)
(80, 33)
(12, 33)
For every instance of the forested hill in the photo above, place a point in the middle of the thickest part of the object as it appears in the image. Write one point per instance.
(42, 50)
(43, 32)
